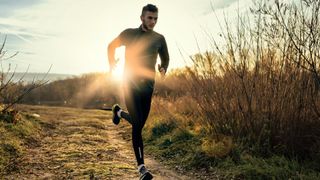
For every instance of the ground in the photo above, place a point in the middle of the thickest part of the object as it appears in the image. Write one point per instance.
(82, 144)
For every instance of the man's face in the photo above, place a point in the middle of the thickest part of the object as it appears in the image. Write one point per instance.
(149, 20)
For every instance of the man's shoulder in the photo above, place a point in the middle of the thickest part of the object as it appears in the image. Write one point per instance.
(158, 35)
(130, 30)
(128, 33)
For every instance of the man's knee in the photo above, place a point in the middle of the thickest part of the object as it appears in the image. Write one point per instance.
(137, 128)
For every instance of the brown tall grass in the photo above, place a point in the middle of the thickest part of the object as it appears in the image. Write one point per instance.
(262, 87)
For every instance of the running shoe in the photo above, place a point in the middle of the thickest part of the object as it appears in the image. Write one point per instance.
(115, 117)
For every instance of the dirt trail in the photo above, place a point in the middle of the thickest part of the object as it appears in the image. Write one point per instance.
(81, 144)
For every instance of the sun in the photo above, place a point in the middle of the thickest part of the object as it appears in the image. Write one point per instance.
(118, 71)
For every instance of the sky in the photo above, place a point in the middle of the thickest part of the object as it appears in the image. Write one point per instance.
(72, 35)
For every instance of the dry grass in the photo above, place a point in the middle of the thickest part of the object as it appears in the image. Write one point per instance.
(261, 88)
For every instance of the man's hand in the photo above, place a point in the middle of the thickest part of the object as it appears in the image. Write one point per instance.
(113, 66)
(161, 70)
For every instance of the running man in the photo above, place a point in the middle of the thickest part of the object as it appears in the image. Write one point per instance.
(142, 46)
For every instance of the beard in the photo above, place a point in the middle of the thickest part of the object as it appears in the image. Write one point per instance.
(145, 26)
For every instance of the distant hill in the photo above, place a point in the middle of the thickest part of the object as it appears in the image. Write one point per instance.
(29, 77)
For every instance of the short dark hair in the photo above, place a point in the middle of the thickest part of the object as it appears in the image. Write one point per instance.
(149, 7)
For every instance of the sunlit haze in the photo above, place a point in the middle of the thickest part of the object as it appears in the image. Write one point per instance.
(72, 36)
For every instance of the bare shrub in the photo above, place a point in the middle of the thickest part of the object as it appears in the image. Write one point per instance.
(262, 87)
(12, 92)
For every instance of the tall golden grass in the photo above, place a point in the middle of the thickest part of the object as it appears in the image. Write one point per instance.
(262, 87)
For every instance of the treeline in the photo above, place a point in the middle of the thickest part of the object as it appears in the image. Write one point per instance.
(97, 89)
(88, 90)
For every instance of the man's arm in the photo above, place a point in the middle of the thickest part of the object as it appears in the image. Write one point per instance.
(111, 51)
(164, 56)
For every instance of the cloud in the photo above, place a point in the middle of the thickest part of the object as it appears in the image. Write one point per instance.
(19, 29)
(8, 7)
(220, 4)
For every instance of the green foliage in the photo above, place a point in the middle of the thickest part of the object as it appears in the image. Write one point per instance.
(176, 145)
(275, 167)
(162, 128)
(182, 135)
(180, 147)
(6, 117)
(13, 138)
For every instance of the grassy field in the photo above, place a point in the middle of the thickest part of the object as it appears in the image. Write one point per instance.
(15, 139)
(70, 143)
(176, 139)
(81, 144)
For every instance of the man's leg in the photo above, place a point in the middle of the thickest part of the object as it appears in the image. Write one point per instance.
(126, 116)
(118, 113)
(143, 105)
(133, 103)
(129, 97)
(145, 109)
(138, 105)
(146, 105)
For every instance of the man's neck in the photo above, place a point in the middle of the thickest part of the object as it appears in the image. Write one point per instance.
(145, 29)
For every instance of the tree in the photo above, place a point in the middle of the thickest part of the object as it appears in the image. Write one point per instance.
(12, 91)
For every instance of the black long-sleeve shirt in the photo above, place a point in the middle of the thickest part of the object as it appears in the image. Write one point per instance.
(142, 49)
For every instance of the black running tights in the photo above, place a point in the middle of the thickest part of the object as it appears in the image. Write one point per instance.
(138, 101)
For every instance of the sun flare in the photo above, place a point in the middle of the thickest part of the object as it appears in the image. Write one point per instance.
(118, 71)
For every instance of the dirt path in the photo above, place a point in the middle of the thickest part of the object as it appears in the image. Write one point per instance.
(82, 144)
